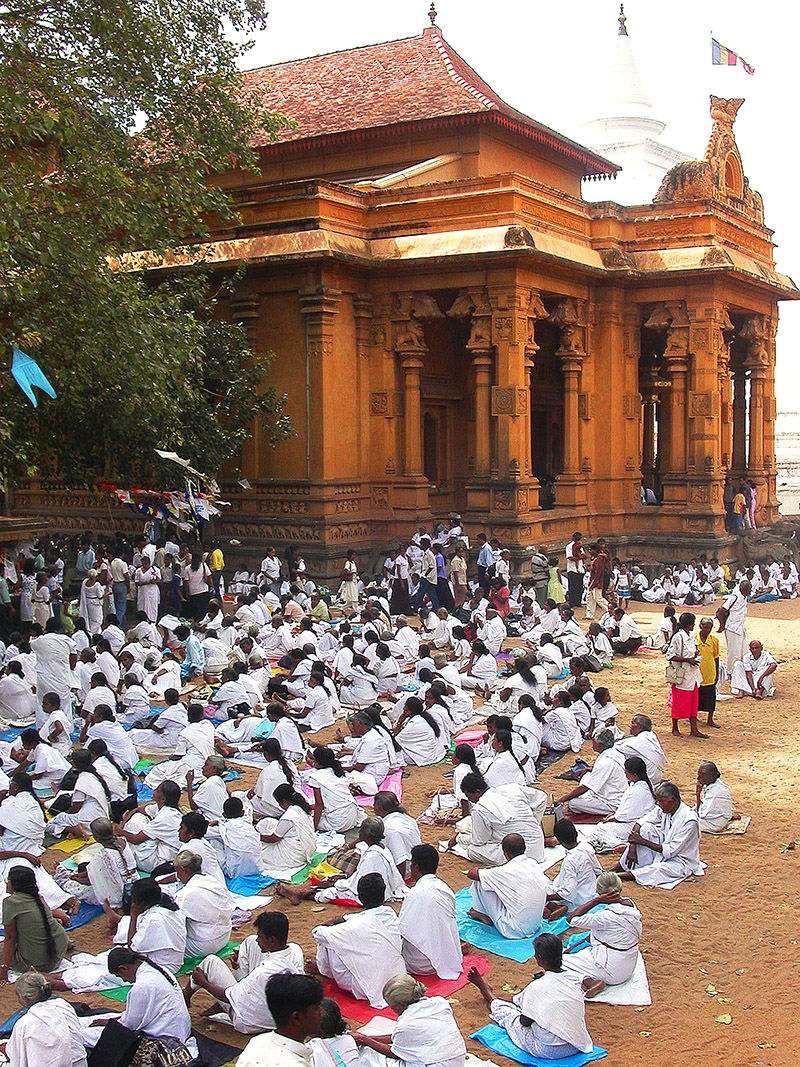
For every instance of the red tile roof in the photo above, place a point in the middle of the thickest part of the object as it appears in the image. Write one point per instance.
(360, 93)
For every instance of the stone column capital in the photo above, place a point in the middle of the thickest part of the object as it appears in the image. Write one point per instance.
(319, 299)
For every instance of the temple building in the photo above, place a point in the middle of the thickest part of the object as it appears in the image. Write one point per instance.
(458, 330)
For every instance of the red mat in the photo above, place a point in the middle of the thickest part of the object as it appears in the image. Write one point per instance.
(584, 819)
(470, 737)
(361, 1012)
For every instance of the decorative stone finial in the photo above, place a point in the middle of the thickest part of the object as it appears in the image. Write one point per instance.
(622, 31)
(432, 13)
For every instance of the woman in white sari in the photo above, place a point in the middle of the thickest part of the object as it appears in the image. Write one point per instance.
(91, 602)
(637, 801)
(425, 1035)
(90, 800)
(335, 807)
(503, 767)
(421, 739)
(290, 841)
(107, 873)
(278, 771)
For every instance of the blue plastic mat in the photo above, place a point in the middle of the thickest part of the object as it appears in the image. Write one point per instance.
(8, 1025)
(85, 914)
(497, 1040)
(490, 940)
(12, 733)
(249, 885)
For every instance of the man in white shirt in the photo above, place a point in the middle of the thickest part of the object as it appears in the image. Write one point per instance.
(428, 576)
(295, 1003)
(629, 636)
(428, 928)
(734, 621)
(576, 554)
(244, 999)
(664, 848)
(512, 896)
(56, 658)
(492, 631)
(601, 789)
(644, 744)
(754, 674)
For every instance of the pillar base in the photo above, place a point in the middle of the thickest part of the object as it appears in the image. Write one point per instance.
(410, 500)
(571, 490)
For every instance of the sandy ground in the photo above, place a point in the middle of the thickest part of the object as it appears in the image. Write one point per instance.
(735, 929)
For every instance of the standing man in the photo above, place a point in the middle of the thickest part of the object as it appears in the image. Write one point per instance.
(576, 554)
(271, 569)
(216, 563)
(120, 587)
(6, 610)
(485, 563)
(597, 571)
(728, 495)
(85, 560)
(733, 620)
(429, 575)
(56, 659)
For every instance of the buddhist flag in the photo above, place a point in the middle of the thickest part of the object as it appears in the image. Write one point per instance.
(724, 57)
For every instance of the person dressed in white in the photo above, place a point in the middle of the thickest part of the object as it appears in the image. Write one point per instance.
(147, 580)
(547, 1019)
(374, 858)
(496, 812)
(373, 755)
(665, 849)
(335, 807)
(407, 641)
(237, 841)
(155, 1005)
(90, 800)
(348, 588)
(49, 1031)
(428, 928)
(153, 832)
(614, 934)
(164, 728)
(278, 771)
(733, 619)
(575, 882)
(290, 841)
(210, 796)
(425, 1035)
(155, 925)
(714, 801)
(421, 739)
(480, 673)
(56, 658)
(644, 743)
(401, 832)
(205, 904)
(601, 789)
(243, 995)
(107, 873)
(492, 631)
(510, 897)
(527, 680)
(363, 950)
(17, 699)
(754, 674)
(637, 802)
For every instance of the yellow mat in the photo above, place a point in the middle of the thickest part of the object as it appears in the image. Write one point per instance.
(70, 844)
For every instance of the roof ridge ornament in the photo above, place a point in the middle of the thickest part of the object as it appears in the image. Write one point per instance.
(623, 29)
(432, 13)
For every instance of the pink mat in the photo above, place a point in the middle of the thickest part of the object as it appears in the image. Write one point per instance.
(470, 737)
(392, 783)
(360, 1011)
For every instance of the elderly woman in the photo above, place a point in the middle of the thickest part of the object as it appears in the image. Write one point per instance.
(684, 675)
(106, 874)
(204, 903)
(426, 1034)
(49, 1032)
(613, 938)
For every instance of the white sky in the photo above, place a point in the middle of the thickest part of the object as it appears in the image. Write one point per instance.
(550, 60)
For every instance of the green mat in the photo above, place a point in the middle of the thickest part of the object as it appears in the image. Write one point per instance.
(302, 876)
(189, 964)
(144, 765)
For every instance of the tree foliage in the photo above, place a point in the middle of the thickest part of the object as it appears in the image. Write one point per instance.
(114, 117)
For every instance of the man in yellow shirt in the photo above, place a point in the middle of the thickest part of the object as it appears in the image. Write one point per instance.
(708, 646)
(216, 564)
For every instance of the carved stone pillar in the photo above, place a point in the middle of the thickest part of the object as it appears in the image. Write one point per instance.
(649, 439)
(483, 362)
(570, 351)
(752, 332)
(724, 335)
(362, 313)
(319, 304)
(410, 347)
(676, 368)
(739, 461)
(536, 312)
(245, 309)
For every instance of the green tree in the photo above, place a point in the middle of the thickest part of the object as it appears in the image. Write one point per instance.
(115, 117)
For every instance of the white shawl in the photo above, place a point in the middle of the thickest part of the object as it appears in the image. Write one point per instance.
(428, 922)
(556, 1004)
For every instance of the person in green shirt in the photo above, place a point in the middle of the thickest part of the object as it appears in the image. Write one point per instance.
(33, 937)
(319, 609)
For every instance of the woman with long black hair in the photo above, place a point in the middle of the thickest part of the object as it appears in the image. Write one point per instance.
(91, 799)
(419, 736)
(33, 937)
